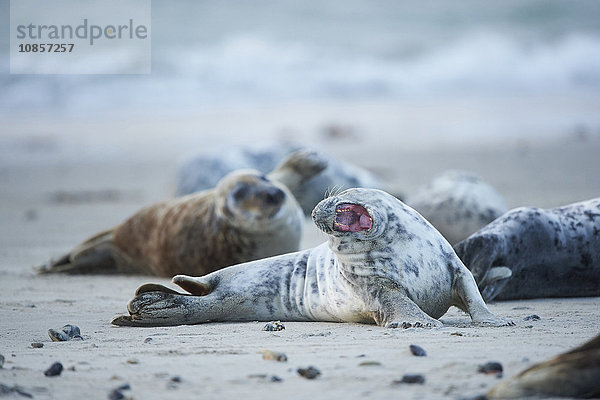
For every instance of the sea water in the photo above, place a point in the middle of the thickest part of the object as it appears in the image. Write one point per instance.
(263, 51)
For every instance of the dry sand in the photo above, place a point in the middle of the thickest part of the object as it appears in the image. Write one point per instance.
(52, 196)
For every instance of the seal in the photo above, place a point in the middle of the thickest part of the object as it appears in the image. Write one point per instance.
(203, 170)
(383, 263)
(246, 217)
(573, 374)
(458, 204)
(532, 253)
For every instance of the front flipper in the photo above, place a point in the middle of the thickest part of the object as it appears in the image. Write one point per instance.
(396, 310)
(494, 281)
(466, 296)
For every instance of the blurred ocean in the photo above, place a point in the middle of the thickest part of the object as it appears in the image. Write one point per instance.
(215, 53)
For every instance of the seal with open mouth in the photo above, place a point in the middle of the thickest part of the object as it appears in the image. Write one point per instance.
(383, 263)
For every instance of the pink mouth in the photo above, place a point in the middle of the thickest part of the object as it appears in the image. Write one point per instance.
(351, 218)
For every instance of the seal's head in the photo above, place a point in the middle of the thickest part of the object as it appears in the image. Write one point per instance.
(250, 199)
(356, 219)
(361, 219)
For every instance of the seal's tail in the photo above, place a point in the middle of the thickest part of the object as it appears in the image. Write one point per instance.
(97, 255)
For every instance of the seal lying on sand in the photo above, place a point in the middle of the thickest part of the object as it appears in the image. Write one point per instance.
(458, 204)
(575, 373)
(246, 217)
(383, 263)
(531, 253)
(203, 170)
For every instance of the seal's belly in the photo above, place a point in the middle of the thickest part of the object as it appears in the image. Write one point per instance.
(431, 290)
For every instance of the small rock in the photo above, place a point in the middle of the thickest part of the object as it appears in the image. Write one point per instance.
(309, 373)
(274, 355)
(272, 378)
(54, 370)
(274, 326)
(65, 333)
(417, 350)
(532, 317)
(132, 361)
(1, 360)
(369, 363)
(174, 382)
(37, 345)
(116, 394)
(411, 378)
(491, 367)
(257, 376)
(456, 334)
(148, 340)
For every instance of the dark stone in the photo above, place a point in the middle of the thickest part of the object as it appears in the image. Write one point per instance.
(309, 373)
(54, 370)
(411, 378)
(417, 350)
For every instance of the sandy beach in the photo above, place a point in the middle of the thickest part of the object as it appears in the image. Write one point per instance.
(61, 182)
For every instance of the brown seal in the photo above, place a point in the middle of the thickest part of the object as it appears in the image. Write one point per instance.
(246, 217)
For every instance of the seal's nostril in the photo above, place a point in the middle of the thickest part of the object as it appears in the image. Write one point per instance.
(274, 196)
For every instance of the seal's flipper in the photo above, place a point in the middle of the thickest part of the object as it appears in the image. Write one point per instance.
(166, 307)
(94, 256)
(155, 287)
(97, 255)
(396, 310)
(494, 281)
(195, 286)
(298, 168)
(468, 299)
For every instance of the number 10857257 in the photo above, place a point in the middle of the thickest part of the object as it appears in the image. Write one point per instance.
(46, 48)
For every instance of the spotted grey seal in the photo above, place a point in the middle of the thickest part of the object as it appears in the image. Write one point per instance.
(383, 263)
(203, 170)
(531, 253)
(574, 374)
(246, 217)
(458, 203)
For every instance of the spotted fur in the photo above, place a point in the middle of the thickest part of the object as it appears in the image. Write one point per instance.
(458, 204)
(400, 272)
(533, 253)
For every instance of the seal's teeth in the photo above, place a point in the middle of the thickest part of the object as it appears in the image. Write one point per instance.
(340, 225)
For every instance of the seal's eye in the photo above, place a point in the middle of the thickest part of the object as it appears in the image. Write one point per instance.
(352, 218)
(240, 192)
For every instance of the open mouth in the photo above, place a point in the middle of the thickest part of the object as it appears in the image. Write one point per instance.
(352, 218)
